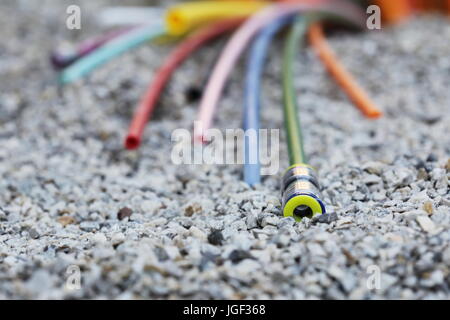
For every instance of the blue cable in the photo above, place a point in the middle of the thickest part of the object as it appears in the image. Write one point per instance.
(252, 94)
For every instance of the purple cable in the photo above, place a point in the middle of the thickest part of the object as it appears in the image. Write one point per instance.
(61, 61)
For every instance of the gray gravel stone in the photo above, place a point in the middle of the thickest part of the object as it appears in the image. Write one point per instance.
(34, 234)
(89, 226)
(215, 238)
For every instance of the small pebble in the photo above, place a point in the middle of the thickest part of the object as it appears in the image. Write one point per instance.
(124, 213)
(89, 226)
(216, 238)
(33, 233)
(239, 255)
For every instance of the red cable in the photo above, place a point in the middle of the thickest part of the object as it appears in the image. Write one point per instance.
(176, 57)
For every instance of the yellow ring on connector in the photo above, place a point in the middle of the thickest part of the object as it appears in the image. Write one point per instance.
(299, 200)
(299, 165)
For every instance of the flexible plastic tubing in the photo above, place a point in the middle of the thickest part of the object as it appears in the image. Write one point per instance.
(110, 50)
(239, 40)
(290, 108)
(340, 74)
(252, 95)
(394, 11)
(178, 55)
(60, 61)
(185, 16)
(418, 5)
(128, 15)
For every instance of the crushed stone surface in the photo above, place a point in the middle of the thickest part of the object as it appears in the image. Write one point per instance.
(133, 225)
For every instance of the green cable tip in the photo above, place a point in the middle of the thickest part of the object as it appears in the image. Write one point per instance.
(301, 193)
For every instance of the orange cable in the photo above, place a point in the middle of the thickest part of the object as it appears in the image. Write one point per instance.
(340, 74)
(394, 11)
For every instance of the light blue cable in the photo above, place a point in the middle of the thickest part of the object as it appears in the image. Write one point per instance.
(252, 94)
(110, 50)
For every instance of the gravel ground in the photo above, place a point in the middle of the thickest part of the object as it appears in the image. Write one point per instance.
(138, 227)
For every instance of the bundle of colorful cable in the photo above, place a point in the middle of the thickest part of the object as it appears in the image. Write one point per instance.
(203, 21)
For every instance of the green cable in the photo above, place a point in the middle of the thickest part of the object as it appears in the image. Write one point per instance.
(291, 118)
(290, 108)
(300, 187)
(110, 50)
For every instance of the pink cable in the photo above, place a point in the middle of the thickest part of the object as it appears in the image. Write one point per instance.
(244, 34)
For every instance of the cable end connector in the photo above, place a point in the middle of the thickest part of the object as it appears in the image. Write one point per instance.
(60, 61)
(301, 193)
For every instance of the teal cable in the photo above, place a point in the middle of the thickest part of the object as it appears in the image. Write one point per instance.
(110, 50)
